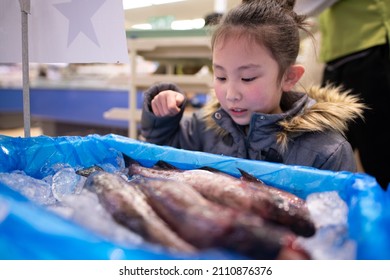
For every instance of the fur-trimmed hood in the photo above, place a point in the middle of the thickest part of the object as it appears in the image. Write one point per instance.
(326, 108)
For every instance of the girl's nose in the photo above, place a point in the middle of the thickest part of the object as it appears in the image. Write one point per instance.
(232, 94)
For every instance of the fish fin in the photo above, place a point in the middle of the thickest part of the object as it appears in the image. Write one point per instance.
(129, 160)
(165, 165)
(88, 170)
(211, 169)
(249, 177)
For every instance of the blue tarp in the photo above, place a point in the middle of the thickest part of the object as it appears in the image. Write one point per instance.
(29, 231)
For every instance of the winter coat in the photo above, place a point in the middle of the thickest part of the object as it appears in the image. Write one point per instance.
(310, 131)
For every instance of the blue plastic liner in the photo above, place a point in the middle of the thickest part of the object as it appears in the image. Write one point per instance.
(29, 231)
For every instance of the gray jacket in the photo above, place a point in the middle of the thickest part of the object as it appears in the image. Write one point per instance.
(309, 132)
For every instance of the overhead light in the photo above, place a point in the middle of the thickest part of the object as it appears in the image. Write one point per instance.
(176, 24)
(131, 4)
(143, 26)
(188, 24)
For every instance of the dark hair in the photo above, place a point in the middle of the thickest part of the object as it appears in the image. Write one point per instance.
(212, 18)
(271, 23)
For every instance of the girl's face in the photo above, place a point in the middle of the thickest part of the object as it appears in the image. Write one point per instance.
(245, 79)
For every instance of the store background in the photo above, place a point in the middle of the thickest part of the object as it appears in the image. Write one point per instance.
(113, 77)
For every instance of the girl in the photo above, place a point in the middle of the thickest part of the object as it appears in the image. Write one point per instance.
(257, 113)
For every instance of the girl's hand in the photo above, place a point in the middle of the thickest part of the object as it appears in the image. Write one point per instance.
(167, 103)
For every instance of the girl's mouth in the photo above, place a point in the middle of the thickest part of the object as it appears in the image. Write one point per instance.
(237, 111)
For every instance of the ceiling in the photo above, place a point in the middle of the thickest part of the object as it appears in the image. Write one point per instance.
(184, 10)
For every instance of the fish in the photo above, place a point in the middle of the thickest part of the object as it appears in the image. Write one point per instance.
(206, 224)
(294, 205)
(194, 218)
(241, 194)
(129, 207)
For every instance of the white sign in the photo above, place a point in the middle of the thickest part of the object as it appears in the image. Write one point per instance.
(65, 31)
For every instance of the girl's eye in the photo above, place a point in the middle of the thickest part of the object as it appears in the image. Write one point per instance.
(248, 79)
(220, 78)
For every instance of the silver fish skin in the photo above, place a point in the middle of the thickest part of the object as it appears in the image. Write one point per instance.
(194, 218)
(129, 207)
(238, 194)
(206, 224)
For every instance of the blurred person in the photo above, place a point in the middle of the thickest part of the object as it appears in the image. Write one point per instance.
(355, 49)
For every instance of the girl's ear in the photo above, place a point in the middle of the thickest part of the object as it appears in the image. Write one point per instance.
(292, 76)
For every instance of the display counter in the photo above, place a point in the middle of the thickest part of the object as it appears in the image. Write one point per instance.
(66, 111)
